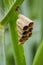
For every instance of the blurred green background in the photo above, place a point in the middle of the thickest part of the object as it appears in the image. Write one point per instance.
(32, 9)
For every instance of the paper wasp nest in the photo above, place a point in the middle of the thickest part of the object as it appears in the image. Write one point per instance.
(24, 27)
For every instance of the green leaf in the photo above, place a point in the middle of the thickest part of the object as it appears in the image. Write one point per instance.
(9, 6)
(5, 7)
(38, 60)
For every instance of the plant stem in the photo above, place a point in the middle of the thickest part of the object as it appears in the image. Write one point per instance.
(18, 49)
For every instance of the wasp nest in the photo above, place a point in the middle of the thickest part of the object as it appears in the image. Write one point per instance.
(24, 27)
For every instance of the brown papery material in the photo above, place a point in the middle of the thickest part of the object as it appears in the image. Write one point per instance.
(30, 33)
(28, 21)
(23, 39)
(30, 29)
(22, 32)
(22, 24)
(24, 27)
